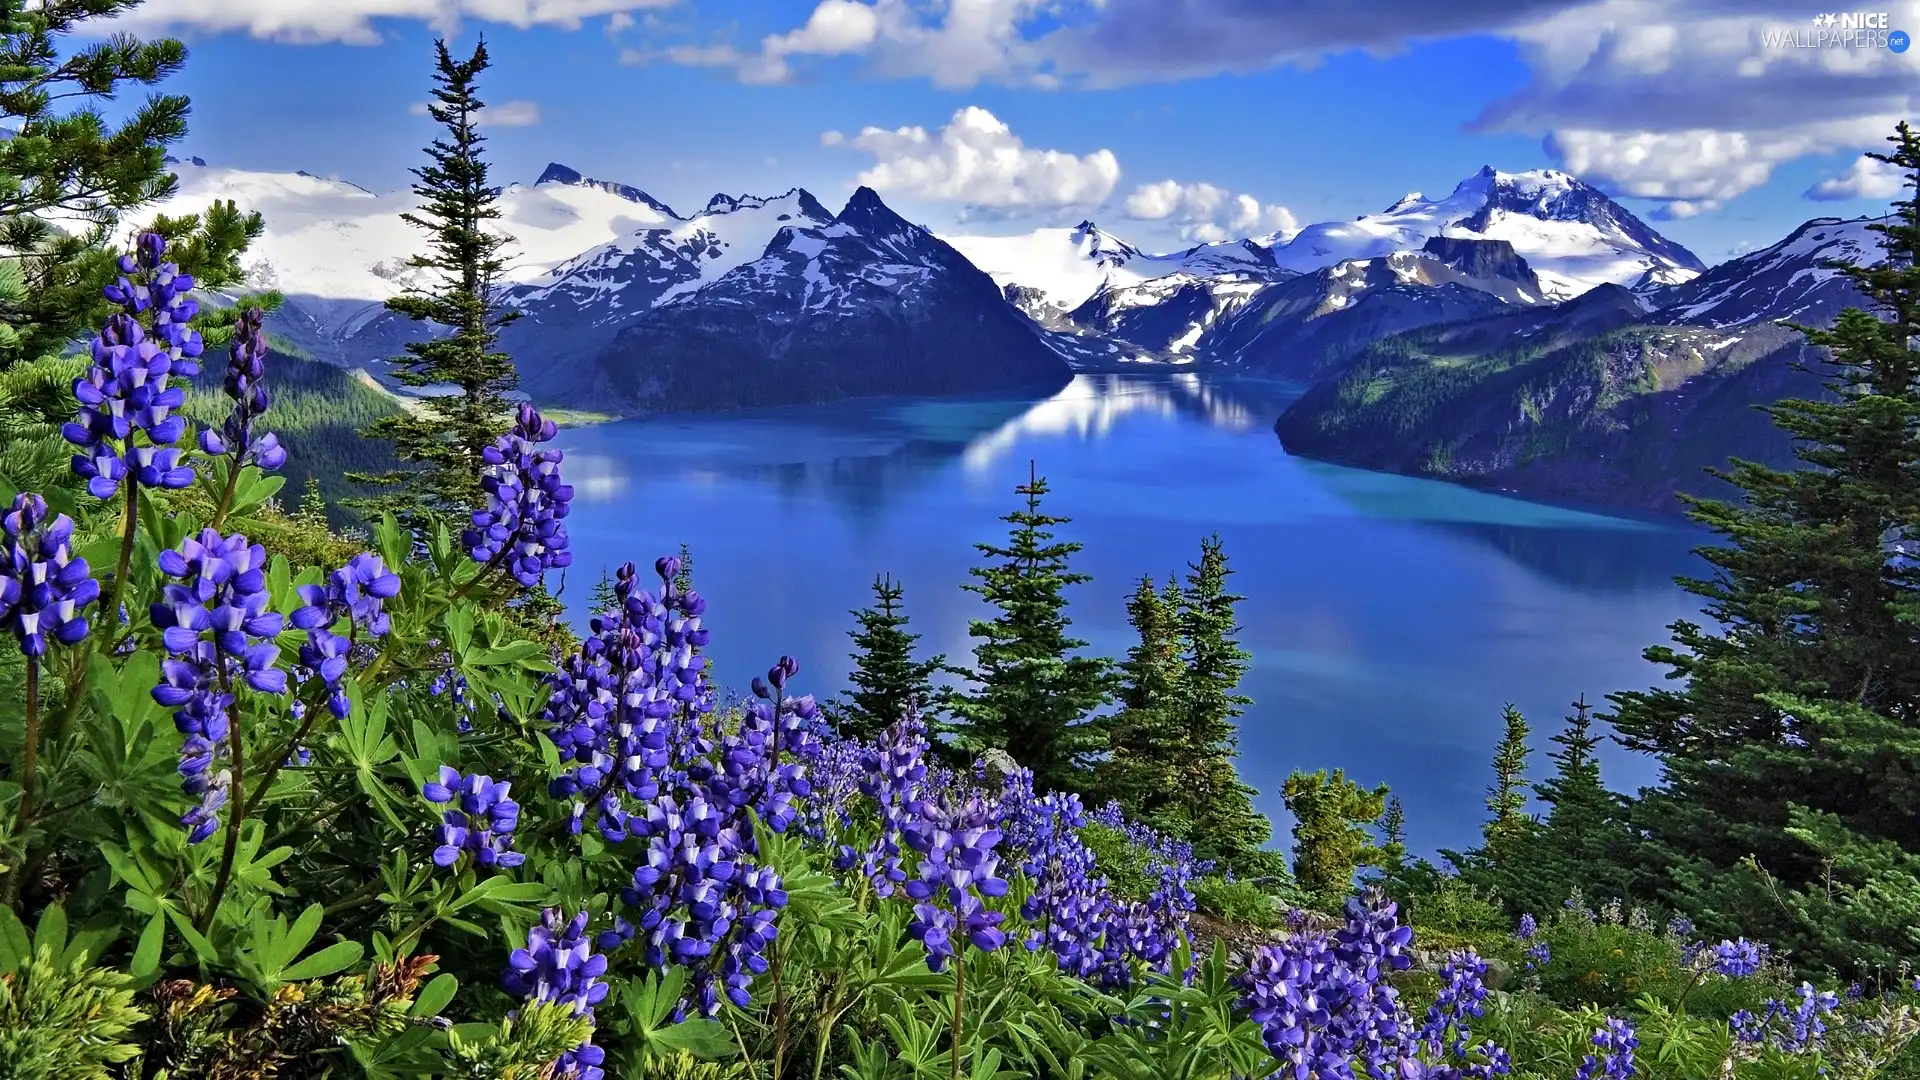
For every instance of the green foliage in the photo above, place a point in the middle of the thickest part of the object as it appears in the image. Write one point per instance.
(441, 440)
(61, 1015)
(1783, 746)
(1123, 862)
(888, 683)
(1446, 907)
(1032, 697)
(70, 167)
(1509, 827)
(1330, 843)
(1242, 902)
(1582, 845)
(1142, 737)
(1173, 743)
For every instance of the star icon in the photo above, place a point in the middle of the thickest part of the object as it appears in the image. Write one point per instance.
(1819, 20)
(1830, 18)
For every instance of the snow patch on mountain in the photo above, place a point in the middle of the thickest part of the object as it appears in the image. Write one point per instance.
(1571, 234)
(336, 241)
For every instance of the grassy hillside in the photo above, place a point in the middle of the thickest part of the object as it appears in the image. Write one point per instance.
(1624, 417)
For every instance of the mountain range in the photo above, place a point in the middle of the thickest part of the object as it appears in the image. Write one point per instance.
(630, 306)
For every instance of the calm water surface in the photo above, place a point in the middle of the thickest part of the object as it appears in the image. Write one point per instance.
(1389, 618)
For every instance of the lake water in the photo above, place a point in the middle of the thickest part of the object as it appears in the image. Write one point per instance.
(1389, 618)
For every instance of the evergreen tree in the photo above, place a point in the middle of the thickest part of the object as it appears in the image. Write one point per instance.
(1392, 862)
(1033, 698)
(888, 682)
(1784, 810)
(442, 440)
(1509, 825)
(68, 179)
(602, 598)
(1330, 818)
(312, 512)
(1143, 736)
(1211, 795)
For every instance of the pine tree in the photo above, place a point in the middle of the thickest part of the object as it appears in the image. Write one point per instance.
(1509, 825)
(441, 441)
(1143, 737)
(1033, 698)
(602, 598)
(1330, 818)
(888, 682)
(1211, 795)
(1784, 810)
(1393, 840)
(312, 511)
(68, 180)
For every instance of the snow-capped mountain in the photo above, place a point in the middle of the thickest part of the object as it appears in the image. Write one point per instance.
(592, 258)
(1619, 395)
(1787, 280)
(861, 304)
(1569, 232)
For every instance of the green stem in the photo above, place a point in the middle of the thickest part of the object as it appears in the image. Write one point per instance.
(29, 772)
(128, 529)
(959, 1002)
(308, 823)
(237, 815)
(354, 899)
(279, 760)
(828, 1017)
(745, 1054)
(226, 497)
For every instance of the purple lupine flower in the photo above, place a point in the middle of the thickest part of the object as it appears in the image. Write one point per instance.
(1326, 1009)
(1808, 1025)
(42, 586)
(700, 895)
(454, 685)
(958, 866)
(126, 392)
(357, 591)
(1680, 926)
(1528, 927)
(1613, 1060)
(636, 686)
(526, 500)
(246, 385)
(559, 967)
(1538, 954)
(479, 824)
(1736, 959)
(1463, 993)
(218, 634)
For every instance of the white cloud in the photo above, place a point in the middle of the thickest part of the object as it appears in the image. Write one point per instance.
(1680, 101)
(975, 41)
(977, 160)
(353, 21)
(1205, 212)
(619, 23)
(497, 114)
(1866, 178)
(1702, 168)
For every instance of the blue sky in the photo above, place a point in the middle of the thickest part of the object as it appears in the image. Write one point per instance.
(1155, 117)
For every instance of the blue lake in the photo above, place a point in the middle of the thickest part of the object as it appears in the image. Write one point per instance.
(1389, 618)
